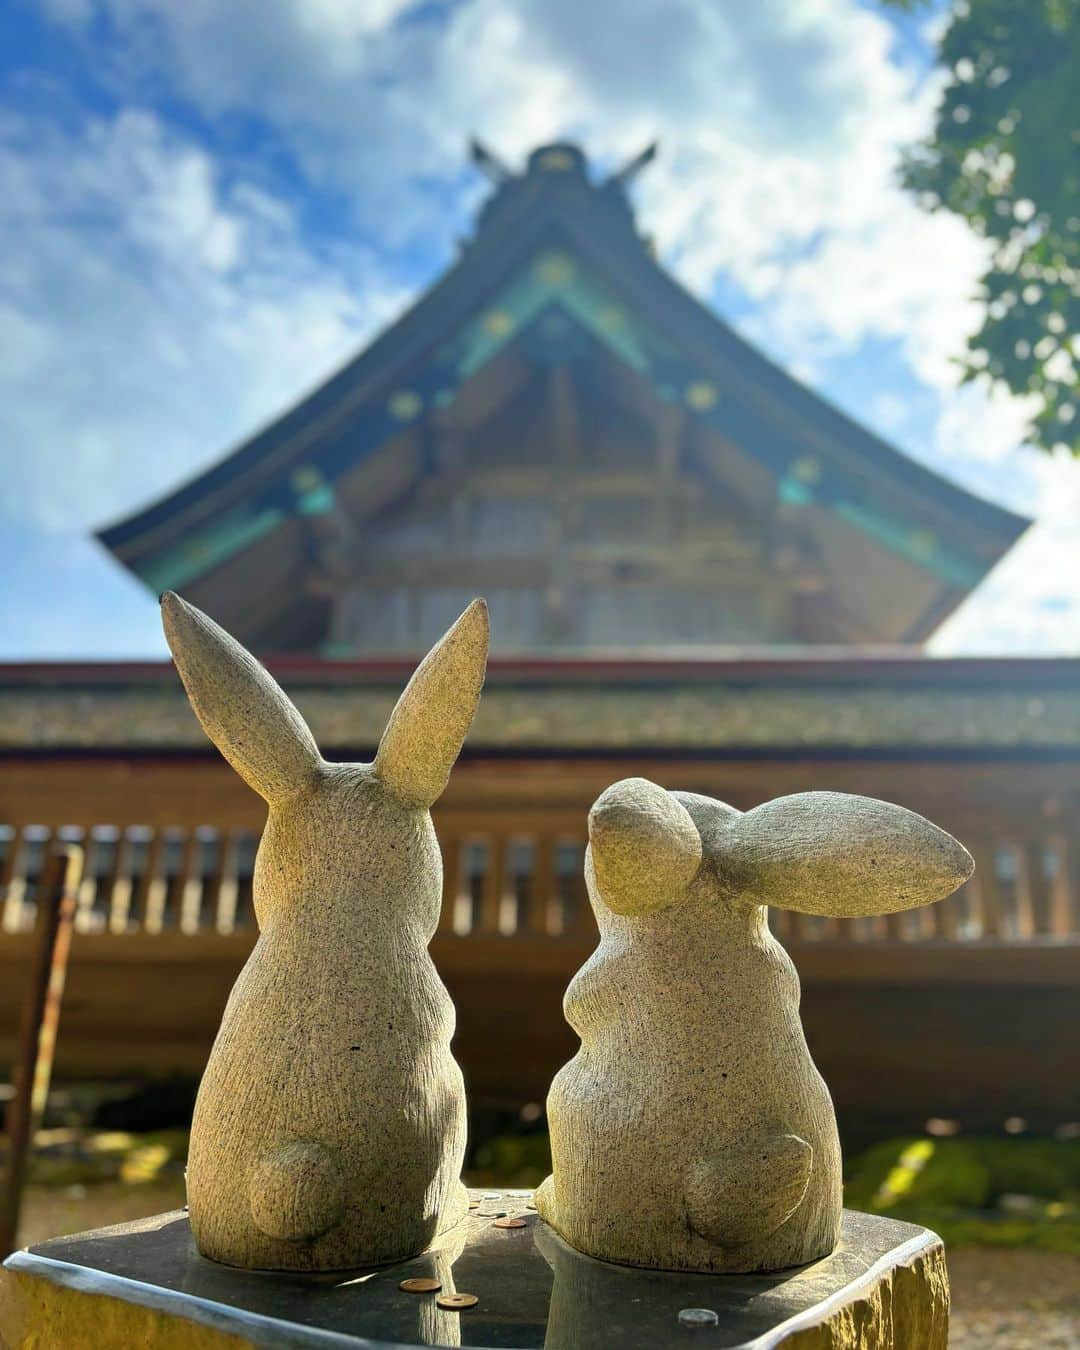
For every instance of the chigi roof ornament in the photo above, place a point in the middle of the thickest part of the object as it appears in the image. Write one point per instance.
(560, 157)
(488, 163)
(630, 170)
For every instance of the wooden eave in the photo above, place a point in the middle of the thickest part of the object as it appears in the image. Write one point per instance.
(744, 704)
(568, 215)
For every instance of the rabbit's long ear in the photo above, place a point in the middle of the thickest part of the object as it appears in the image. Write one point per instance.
(644, 847)
(241, 707)
(835, 854)
(431, 720)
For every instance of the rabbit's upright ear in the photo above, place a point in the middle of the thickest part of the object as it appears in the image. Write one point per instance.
(835, 854)
(431, 720)
(644, 847)
(241, 707)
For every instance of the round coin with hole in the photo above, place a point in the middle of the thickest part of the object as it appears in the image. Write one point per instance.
(457, 1300)
(420, 1284)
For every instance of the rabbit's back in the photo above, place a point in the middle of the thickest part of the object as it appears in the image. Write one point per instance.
(354, 1068)
(714, 1057)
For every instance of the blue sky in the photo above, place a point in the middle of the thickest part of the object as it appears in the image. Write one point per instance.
(206, 207)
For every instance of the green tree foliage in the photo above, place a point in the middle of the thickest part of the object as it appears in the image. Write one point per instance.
(1005, 155)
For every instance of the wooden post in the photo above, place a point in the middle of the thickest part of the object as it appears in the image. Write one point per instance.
(57, 900)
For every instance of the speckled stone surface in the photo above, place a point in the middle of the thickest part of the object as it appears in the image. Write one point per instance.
(692, 1130)
(329, 1128)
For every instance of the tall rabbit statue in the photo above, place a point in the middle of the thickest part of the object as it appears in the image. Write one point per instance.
(329, 1127)
(692, 1131)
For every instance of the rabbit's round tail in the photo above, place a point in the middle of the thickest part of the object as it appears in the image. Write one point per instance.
(297, 1191)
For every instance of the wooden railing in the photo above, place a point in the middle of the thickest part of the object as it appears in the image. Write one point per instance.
(139, 879)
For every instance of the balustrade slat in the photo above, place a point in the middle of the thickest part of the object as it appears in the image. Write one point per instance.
(925, 922)
(990, 893)
(86, 895)
(13, 879)
(494, 886)
(895, 928)
(541, 890)
(1065, 902)
(804, 926)
(150, 893)
(1024, 887)
(118, 890)
(947, 917)
(451, 851)
(189, 885)
(781, 923)
(1036, 886)
(582, 923)
(221, 892)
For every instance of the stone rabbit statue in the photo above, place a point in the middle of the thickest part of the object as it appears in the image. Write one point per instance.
(329, 1127)
(692, 1131)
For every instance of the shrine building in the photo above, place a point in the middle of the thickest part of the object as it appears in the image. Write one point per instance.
(697, 569)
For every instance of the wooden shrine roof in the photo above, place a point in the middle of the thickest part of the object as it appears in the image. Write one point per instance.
(552, 239)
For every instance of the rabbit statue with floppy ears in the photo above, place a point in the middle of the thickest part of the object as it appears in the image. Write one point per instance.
(692, 1131)
(329, 1128)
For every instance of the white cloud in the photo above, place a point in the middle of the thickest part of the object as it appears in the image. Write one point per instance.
(781, 123)
(1031, 601)
(155, 313)
(168, 301)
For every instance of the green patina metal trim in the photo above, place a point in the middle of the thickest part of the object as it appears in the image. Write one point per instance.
(318, 502)
(556, 279)
(919, 546)
(210, 546)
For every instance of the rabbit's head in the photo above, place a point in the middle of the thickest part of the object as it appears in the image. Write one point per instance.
(332, 826)
(816, 852)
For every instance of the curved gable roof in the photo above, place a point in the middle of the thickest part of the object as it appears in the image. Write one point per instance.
(549, 213)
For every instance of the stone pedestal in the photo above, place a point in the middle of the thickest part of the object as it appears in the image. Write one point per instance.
(144, 1284)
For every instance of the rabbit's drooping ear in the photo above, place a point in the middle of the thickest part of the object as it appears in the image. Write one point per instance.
(835, 854)
(241, 707)
(431, 720)
(645, 848)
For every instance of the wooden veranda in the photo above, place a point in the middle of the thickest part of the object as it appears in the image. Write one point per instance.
(967, 1010)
